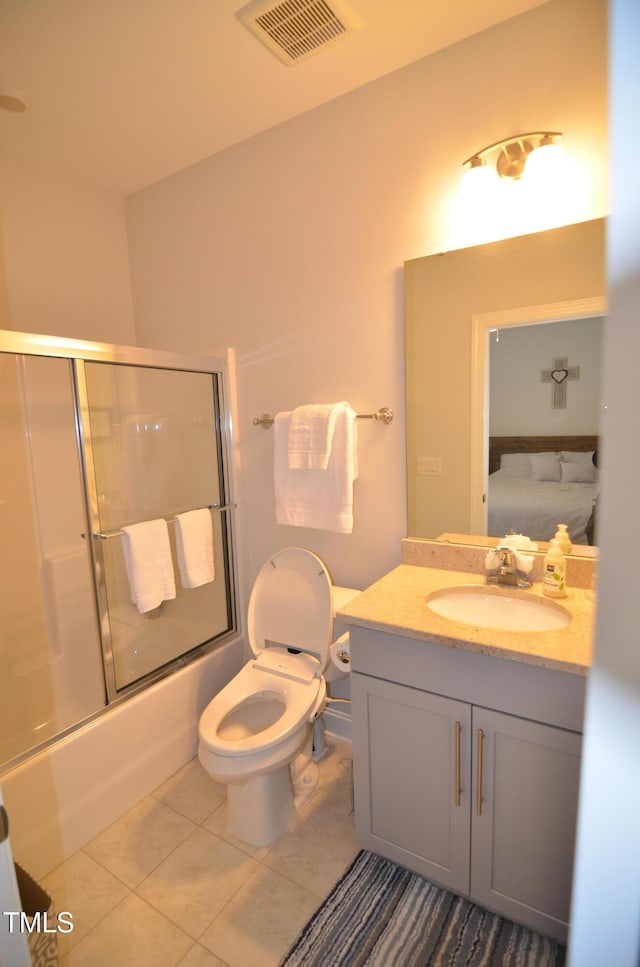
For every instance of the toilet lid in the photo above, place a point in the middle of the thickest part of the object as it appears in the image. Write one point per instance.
(291, 604)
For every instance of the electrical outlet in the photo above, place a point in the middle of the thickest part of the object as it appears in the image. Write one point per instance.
(429, 466)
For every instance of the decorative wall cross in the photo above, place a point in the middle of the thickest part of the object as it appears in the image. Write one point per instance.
(558, 377)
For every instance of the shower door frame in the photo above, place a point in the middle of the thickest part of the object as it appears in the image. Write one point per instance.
(77, 352)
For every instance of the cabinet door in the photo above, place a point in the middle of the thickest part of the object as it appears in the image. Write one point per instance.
(524, 819)
(411, 756)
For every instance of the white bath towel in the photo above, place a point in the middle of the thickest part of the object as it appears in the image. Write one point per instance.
(311, 431)
(194, 548)
(322, 499)
(147, 558)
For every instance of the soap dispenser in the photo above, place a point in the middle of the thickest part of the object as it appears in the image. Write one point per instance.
(563, 539)
(554, 580)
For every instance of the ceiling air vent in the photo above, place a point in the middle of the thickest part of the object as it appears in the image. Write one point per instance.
(297, 29)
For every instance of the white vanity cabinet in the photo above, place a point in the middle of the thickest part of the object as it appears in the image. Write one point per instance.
(523, 819)
(466, 770)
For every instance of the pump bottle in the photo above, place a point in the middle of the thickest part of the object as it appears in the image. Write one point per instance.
(554, 578)
(563, 539)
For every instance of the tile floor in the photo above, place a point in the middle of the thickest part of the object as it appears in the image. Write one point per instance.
(167, 885)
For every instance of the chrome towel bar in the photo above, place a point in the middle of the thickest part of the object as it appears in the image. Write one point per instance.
(105, 535)
(383, 415)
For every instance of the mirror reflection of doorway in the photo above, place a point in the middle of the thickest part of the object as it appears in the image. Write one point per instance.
(544, 412)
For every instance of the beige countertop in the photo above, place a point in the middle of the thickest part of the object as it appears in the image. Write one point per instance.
(396, 604)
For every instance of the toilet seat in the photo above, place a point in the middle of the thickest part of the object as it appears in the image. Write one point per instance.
(291, 605)
(289, 621)
(300, 700)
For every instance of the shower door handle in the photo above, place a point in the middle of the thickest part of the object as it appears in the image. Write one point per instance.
(4, 824)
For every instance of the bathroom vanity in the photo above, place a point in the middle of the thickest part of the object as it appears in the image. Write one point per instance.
(466, 744)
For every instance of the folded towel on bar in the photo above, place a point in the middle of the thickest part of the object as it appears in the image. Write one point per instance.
(147, 558)
(194, 548)
(322, 499)
(311, 431)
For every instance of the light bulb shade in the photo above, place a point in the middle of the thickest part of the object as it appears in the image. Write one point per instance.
(545, 162)
(476, 200)
(478, 178)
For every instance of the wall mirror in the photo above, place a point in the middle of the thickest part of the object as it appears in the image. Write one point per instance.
(539, 295)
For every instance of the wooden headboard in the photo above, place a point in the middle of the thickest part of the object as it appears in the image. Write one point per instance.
(536, 444)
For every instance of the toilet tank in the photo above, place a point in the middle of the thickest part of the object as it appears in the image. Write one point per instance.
(340, 597)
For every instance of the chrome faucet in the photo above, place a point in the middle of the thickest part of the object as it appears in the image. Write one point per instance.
(507, 570)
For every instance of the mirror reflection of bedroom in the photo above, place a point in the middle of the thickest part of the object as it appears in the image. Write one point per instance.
(534, 289)
(544, 412)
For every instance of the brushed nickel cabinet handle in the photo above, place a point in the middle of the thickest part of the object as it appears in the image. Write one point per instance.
(480, 754)
(458, 785)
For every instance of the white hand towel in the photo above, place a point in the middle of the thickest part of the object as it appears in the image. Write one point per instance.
(523, 562)
(147, 558)
(311, 431)
(194, 548)
(322, 499)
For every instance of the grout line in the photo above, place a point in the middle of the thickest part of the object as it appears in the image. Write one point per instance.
(98, 922)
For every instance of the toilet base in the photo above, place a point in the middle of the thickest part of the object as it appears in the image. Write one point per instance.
(305, 785)
(262, 808)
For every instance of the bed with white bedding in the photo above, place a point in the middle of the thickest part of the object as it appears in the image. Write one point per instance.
(536, 483)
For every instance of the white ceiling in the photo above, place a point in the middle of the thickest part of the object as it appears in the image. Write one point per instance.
(124, 93)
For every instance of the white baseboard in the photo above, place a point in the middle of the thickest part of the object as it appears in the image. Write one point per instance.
(338, 723)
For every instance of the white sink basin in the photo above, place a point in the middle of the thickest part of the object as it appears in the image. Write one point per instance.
(491, 607)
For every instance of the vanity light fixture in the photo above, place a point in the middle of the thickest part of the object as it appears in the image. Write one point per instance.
(512, 155)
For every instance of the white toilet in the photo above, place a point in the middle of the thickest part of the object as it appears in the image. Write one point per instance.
(256, 734)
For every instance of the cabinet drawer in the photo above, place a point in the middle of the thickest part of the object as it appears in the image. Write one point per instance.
(531, 691)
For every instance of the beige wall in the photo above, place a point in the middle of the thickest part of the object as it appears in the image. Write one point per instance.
(65, 257)
(290, 246)
(5, 318)
(519, 355)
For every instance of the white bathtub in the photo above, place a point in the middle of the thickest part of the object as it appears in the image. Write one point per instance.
(64, 796)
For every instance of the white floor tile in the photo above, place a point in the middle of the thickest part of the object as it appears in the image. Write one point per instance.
(199, 957)
(134, 845)
(261, 922)
(132, 935)
(192, 792)
(196, 880)
(87, 891)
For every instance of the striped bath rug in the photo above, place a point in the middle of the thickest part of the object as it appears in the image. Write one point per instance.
(380, 914)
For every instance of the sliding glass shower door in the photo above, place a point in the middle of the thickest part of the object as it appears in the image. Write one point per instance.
(95, 437)
(51, 674)
(153, 450)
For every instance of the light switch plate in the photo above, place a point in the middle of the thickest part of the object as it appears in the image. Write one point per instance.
(429, 466)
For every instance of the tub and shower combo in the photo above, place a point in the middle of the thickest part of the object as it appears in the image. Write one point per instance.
(99, 702)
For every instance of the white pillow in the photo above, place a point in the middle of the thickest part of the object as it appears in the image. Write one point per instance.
(578, 472)
(577, 456)
(545, 466)
(516, 465)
